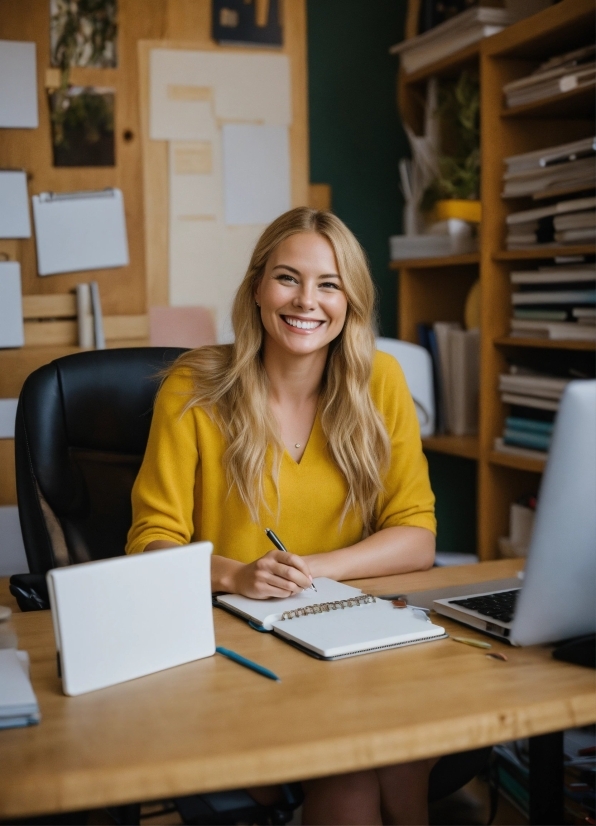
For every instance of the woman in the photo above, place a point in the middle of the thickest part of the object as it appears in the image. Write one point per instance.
(302, 427)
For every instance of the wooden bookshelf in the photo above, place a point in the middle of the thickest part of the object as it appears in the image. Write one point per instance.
(546, 252)
(430, 263)
(516, 462)
(466, 447)
(577, 103)
(449, 66)
(436, 289)
(545, 343)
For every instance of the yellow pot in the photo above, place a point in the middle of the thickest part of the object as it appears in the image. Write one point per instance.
(464, 210)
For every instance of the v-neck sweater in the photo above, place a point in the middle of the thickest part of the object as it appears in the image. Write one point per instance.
(181, 493)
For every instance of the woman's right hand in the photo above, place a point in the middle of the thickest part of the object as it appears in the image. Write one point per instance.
(277, 574)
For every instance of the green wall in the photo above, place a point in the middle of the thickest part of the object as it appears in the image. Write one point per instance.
(356, 141)
(355, 135)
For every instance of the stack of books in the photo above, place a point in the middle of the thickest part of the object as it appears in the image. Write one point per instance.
(513, 774)
(566, 222)
(556, 302)
(534, 399)
(449, 37)
(557, 76)
(455, 355)
(512, 765)
(556, 170)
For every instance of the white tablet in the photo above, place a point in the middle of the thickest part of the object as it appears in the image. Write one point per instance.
(121, 618)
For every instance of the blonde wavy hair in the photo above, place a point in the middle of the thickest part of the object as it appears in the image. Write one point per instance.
(230, 381)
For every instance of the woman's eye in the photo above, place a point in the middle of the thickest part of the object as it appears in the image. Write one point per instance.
(284, 276)
(330, 285)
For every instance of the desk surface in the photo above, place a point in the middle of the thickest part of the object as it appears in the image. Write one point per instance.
(211, 725)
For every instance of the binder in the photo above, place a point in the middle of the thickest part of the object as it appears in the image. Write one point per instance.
(77, 231)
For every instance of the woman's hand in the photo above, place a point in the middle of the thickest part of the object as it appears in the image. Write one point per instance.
(276, 574)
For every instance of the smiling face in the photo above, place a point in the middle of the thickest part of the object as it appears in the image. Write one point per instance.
(303, 305)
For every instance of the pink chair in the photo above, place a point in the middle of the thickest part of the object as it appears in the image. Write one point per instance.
(181, 327)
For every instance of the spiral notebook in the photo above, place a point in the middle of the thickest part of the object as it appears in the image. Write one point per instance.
(335, 622)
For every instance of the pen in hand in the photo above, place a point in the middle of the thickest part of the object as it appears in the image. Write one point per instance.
(281, 547)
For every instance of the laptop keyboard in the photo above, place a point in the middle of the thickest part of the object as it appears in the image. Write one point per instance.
(499, 606)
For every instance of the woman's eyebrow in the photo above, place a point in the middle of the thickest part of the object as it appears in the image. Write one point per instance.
(286, 267)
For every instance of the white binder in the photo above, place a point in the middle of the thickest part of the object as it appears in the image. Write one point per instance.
(77, 231)
(121, 618)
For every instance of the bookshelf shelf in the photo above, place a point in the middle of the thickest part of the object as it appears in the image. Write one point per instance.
(436, 289)
(546, 343)
(466, 447)
(578, 103)
(469, 259)
(536, 253)
(449, 66)
(516, 462)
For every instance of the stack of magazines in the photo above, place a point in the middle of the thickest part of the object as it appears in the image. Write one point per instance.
(556, 302)
(449, 37)
(556, 170)
(568, 222)
(534, 399)
(559, 75)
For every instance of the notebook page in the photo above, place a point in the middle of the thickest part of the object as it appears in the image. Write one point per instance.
(358, 630)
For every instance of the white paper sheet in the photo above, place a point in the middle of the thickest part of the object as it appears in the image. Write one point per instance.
(11, 305)
(14, 205)
(240, 87)
(196, 196)
(256, 161)
(8, 412)
(13, 559)
(207, 263)
(18, 85)
(80, 231)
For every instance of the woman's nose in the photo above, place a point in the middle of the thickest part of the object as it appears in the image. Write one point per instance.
(306, 297)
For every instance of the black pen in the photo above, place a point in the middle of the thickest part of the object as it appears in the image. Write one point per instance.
(281, 547)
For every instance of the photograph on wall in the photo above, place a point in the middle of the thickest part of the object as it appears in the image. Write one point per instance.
(247, 22)
(83, 33)
(83, 126)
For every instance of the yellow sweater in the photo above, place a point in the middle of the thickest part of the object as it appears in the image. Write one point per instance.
(181, 494)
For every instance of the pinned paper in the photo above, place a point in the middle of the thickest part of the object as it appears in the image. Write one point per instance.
(14, 205)
(256, 173)
(18, 85)
(181, 92)
(193, 158)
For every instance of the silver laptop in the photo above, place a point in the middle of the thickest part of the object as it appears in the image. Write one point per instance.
(558, 597)
(122, 618)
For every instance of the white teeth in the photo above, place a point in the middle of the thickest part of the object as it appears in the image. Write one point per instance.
(302, 325)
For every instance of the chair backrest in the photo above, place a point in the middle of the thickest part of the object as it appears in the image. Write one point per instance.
(81, 431)
(181, 327)
(417, 365)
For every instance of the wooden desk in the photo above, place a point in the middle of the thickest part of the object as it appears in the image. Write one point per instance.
(212, 725)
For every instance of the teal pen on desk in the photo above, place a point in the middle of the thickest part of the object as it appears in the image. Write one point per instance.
(238, 658)
(281, 547)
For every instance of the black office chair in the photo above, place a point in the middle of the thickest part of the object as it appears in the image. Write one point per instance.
(81, 431)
